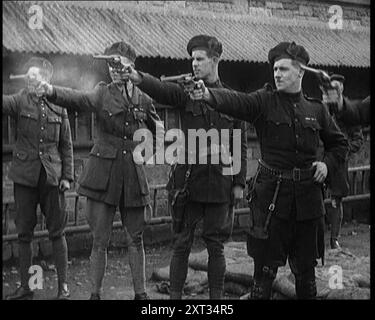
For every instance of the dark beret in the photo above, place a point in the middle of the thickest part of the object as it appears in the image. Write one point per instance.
(123, 49)
(43, 64)
(337, 77)
(289, 50)
(205, 42)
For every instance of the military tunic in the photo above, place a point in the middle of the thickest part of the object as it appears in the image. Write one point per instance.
(42, 157)
(207, 182)
(43, 140)
(110, 169)
(288, 127)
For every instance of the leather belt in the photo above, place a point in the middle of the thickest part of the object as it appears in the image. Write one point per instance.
(296, 174)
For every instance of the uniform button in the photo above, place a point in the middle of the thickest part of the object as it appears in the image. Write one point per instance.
(28, 115)
(296, 151)
(126, 123)
(297, 136)
(124, 152)
(295, 120)
(212, 124)
(110, 114)
(40, 152)
(41, 140)
(43, 115)
(295, 105)
(42, 128)
(125, 138)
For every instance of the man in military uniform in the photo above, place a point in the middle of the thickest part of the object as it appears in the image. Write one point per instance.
(210, 192)
(286, 197)
(111, 177)
(42, 169)
(357, 114)
(352, 113)
(338, 181)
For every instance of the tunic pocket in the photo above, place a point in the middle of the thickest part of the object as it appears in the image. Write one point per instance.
(28, 123)
(278, 130)
(139, 114)
(53, 128)
(311, 128)
(97, 171)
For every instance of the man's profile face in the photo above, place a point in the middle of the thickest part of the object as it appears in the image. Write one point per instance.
(287, 75)
(118, 77)
(203, 66)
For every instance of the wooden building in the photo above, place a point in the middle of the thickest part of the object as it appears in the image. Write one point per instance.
(68, 33)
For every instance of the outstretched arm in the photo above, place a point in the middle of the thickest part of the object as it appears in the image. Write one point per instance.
(242, 106)
(10, 105)
(162, 92)
(74, 100)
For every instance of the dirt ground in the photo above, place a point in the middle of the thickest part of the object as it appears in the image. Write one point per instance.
(118, 285)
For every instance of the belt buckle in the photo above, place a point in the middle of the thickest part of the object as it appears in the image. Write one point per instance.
(296, 174)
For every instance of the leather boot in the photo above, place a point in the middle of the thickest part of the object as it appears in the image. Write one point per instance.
(138, 270)
(306, 289)
(63, 292)
(336, 220)
(262, 287)
(141, 296)
(95, 296)
(98, 264)
(175, 295)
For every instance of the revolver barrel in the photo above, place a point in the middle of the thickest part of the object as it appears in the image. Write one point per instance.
(317, 72)
(103, 57)
(18, 76)
(178, 78)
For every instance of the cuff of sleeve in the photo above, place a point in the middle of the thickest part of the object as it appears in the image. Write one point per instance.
(329, 163)
(69, 178)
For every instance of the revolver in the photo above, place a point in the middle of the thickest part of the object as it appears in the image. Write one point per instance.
(323, 77)
(18, 76)
(331, 93)
(187, 81)
(114, 61)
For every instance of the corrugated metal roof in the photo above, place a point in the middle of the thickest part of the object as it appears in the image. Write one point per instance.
(157, 32)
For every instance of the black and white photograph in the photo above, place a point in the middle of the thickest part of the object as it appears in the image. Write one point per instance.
(201, 150)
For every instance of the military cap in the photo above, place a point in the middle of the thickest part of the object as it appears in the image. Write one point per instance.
(123, 49)
(43, 64)
(205, 42)
(337, 77)
(289, 50)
